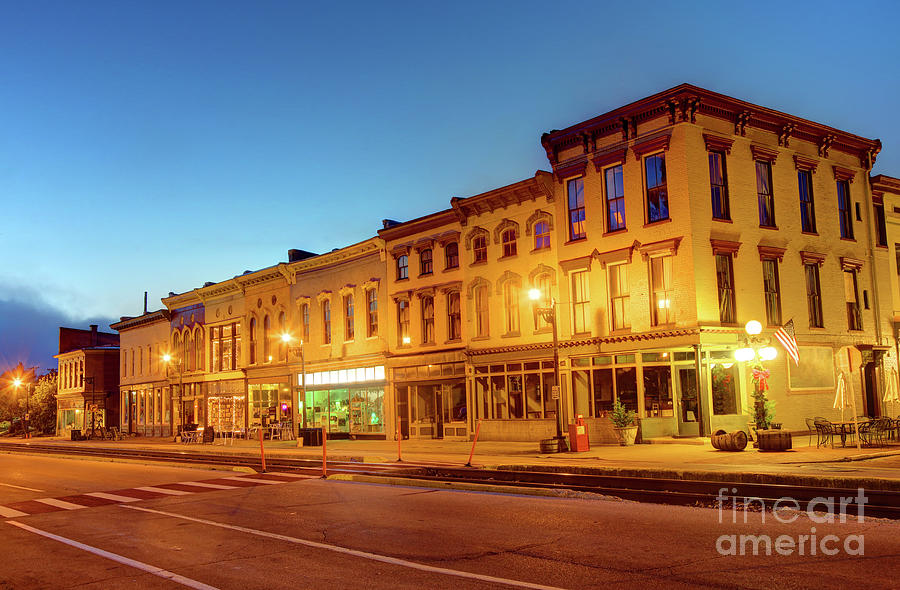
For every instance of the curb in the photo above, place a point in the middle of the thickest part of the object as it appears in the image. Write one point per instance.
(141, 462)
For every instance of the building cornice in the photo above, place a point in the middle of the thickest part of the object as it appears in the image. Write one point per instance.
(128, 323)
(540, 186)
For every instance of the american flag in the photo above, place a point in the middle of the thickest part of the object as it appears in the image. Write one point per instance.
(785, 335)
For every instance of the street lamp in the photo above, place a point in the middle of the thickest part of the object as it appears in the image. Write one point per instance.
(16, 383)
(548, 314)
(93, 410)
(287, 338)
(170, 360)
(756, 350)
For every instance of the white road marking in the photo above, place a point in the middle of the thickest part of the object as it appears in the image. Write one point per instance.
(114, 497)
(60, 503)
(151, 569)
(9, 485)
(203, 484)
(164, 491)
(238, 478)
(11, 512)
(355, 552)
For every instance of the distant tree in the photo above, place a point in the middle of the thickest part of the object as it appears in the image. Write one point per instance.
(41, 401)
(43, 404)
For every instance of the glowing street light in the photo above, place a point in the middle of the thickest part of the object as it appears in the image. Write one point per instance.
(548, 314)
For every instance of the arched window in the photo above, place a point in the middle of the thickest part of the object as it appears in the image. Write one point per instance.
(253, 337)
(451, 255)
(508, 239)
(541, 235)
(511, 306)
(454, 329)
(481, 311)
(201, 352)
(282, 345)
(266, 335)
(176, 344)
(427, 320)
(479, 249)
(190, 357)
(184, 351)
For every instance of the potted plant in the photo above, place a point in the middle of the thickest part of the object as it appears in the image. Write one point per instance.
(623, 423)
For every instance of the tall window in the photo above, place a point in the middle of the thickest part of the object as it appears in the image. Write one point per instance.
(580, 302)
(813, 295)
(576, 209)
(326, 322)
(657, 195)
(542, 284)
(454, 331)
(807, 205)
(541, 235)
(372, 313)
(479, 249)
(253, 337)
(190, 358)
(304, 319)
(619, 296)
(201, 350)
(282, 345)
(267, 339)
(426, 265)
(662, 290)
(481, 311)
(772, 291)
(851, 296)
(403, 321)
(615, 199)
(508, 240)
(880, 229)
(402, 267)
(844, 212)
(725, 283)
(225, 346)
(348, 317)
(427, 320)
(511, 306)
(718, 184)
(451, 255)
(764, 194)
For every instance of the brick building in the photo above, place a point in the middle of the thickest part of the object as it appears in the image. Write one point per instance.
(88, 380)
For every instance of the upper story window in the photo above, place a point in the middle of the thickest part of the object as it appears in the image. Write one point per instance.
(402, 267)
(451, 255)
(615, 199)
(508, 240)
(348, 317)
(844, 209)
(541, 235)
(813, 295)
(326, 322)
(718, 184)
(253, 338)
(427, 320)
(511, 306)
(619, 296)
(479, 249)
(225, 346)
(581, 300)
(772, 289)
(282, 345)
(657, 194)
(807, 204)
(662, 291)
(403, 322)
(454, 325)
(542, 284)
(425, 262)
(372, 313)
(304, 319)
(576, 209)
(267, 339)
(880, 228)
(201, 349)
(481, 311)
(764, 194)
(725, 284)
(851, 296)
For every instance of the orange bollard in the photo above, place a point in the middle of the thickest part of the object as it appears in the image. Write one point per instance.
(262, 451)
(399, 438)
(475, 440)
(324, 454)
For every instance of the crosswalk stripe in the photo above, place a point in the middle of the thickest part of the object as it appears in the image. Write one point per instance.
(203, 484)
(11, 512)
(113, 497)
(164, 491)
(60, 503)
(238, 478)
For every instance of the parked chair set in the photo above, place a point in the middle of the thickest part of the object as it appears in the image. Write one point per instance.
(871, 432)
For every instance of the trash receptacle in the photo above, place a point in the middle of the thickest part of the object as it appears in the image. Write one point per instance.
(312, 437)
(76, 434)
(578, 438)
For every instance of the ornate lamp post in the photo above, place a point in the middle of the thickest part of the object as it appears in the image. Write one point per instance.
(548, 314)
(756, 350)
(16, 383)
(93, 410)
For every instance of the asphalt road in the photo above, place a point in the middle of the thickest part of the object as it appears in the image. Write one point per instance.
(309, 533)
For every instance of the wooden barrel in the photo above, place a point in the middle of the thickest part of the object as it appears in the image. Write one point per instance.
(774, 440)
(733, 441)
(554, 445)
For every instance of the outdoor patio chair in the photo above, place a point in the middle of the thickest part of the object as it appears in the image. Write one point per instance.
(867, 433)
(825, 432)
(811, 427)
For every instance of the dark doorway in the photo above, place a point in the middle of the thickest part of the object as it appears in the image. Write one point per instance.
(873, 408)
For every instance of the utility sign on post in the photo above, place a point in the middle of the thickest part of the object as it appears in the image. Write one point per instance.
(554, 392)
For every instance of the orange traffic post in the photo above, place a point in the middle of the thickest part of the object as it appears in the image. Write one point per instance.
(475, 440)
(324, 453)
(262, 451)
(399, 438)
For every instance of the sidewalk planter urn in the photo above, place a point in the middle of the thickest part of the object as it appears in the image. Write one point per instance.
(773, 440)
(626, 435)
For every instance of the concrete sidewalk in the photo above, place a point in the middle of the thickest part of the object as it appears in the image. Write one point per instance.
(804, 465)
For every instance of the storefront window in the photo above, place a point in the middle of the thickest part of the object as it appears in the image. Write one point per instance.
(366, 410)
(723, 391)
(263, 403)
(626, 387)
(515, 391)
(658, 392)
(226, 413)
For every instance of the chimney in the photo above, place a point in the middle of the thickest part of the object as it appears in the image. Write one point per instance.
(94, 339)
(294, 255)
(145, 302)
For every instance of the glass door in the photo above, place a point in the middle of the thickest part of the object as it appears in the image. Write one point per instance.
(687, 402)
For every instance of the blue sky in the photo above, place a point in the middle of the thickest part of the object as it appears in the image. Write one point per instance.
(158, 145)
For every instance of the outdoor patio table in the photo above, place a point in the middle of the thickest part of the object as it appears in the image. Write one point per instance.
(847, 428)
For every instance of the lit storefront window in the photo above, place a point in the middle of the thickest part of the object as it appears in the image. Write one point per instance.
(515, 391)
(345, 400)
